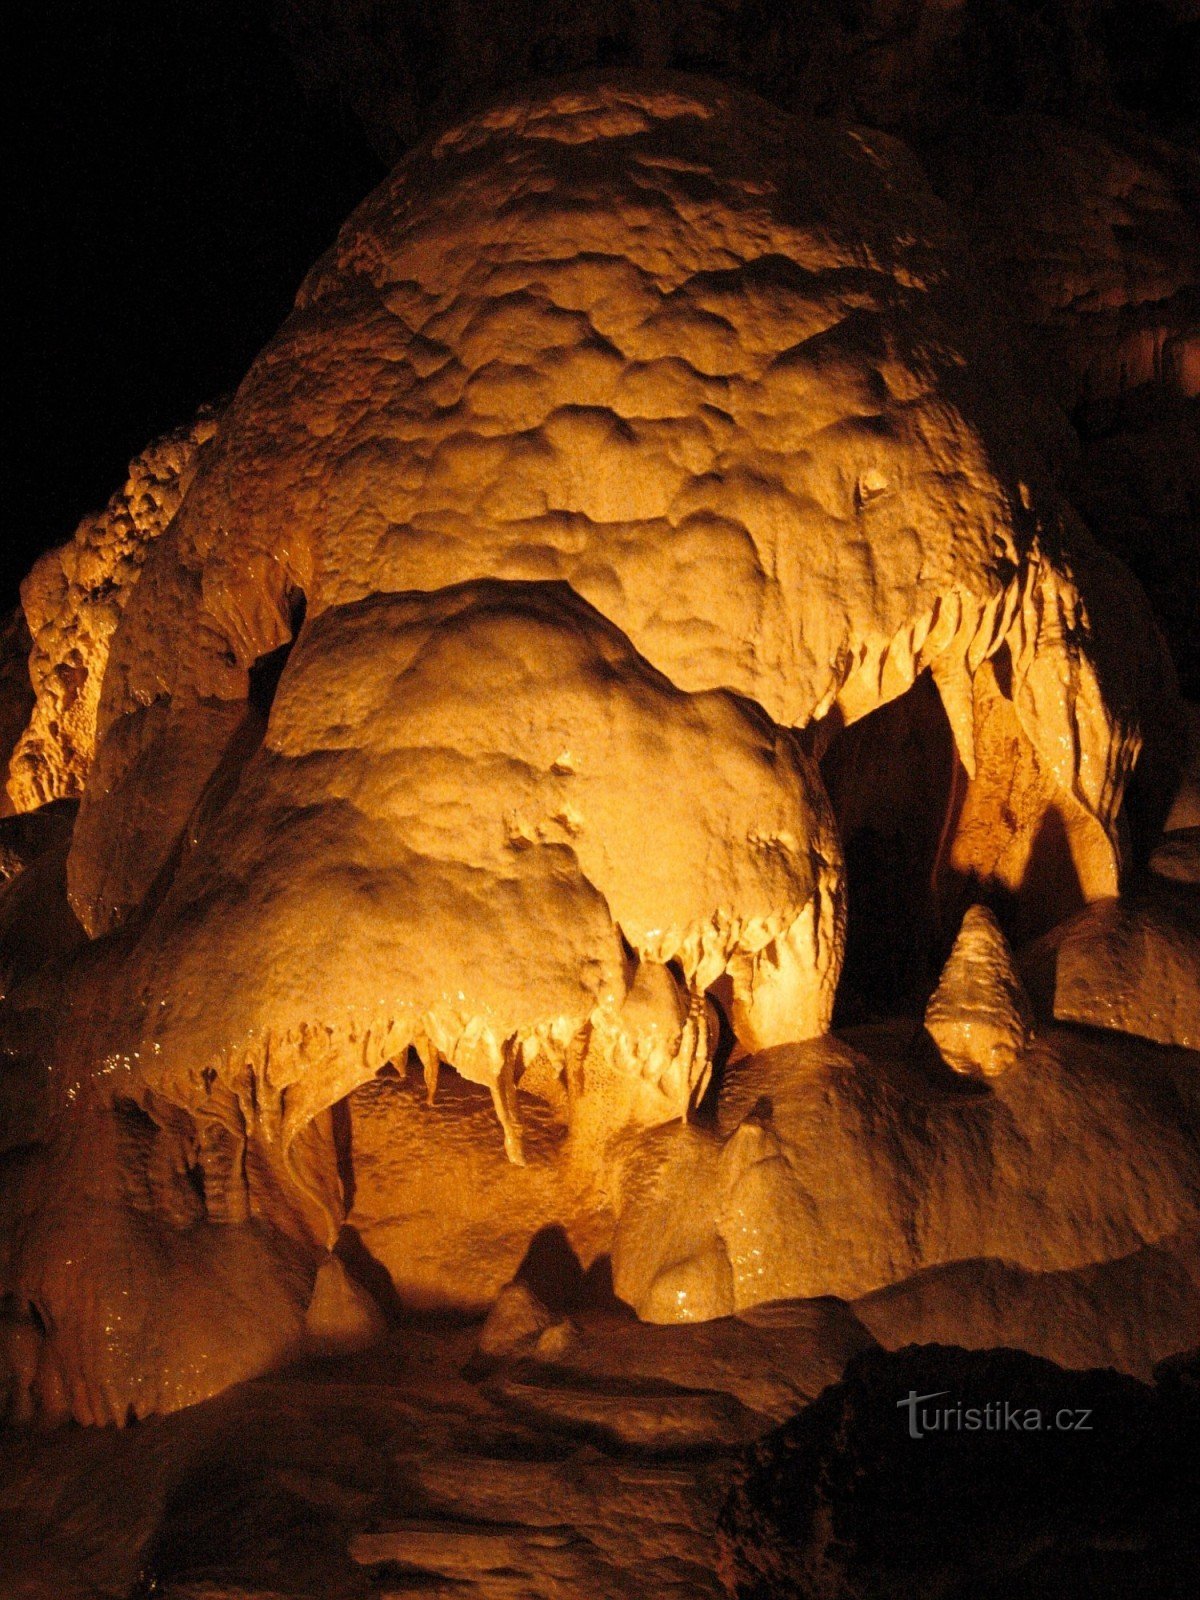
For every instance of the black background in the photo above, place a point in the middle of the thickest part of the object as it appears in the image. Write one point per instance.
(171, 184)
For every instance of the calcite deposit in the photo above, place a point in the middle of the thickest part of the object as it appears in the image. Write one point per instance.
(594, 848)
(453, 866)
(72, 602)
(978, 1016)
(711, 367)
(839, 1167)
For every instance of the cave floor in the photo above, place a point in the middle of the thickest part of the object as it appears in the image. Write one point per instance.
(417, 1469)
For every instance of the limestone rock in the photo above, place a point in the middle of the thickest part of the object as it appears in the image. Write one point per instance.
(269, 1489)
(790, 386)
(37, 925)
(1091, 237)
(978, 1016)
(1178, 857)
(30, 834)
(341, 1314)
(1132, 965)
(556, 1344)
(660, 1417)
(772, 1358)
(1137, 485)
(515, 1321)
(73, 600)
(1129, 1314)
(1185, 804)
(631, 441)
(437, 1205)
(119, 1281)
(16, 691)
(496, 763)
(842, 1171)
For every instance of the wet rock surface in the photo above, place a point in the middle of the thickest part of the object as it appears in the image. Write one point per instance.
(396, 1472)
(642, 456)
(1130, 965)
(673, 1464)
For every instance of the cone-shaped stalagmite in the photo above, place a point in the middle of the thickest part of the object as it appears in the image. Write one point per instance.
(978, 1015)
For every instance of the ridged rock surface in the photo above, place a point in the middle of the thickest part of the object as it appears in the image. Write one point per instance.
(718, 370)
(495, 763)
(16, 691)
(73, 600)
(978, 1016)
(627, 430)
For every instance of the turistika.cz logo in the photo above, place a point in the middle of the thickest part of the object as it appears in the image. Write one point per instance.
(997, 1416)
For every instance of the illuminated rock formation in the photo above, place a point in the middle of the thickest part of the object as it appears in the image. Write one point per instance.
(16, 692)
(840, 1169)
(73, 600)
(978, 1015)
(480, 826)
(712, 368)
(634, 443)
(1131, 965)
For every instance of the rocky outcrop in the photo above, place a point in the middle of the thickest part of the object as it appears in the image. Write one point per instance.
(1130, 1313)
(73, 600)
(632, 441)
(630, 410)
(842, 1171)
(16, 691)
(1132, 965)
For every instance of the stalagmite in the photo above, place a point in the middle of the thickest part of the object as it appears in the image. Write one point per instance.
(978, 1016)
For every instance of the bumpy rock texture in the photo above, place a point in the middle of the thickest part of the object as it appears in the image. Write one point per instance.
(493, 762)
(838, 1169)
(634, 444)
(1131, 964)
(16, 693)
(978, 1016)
(1063, 134)
(73, 600)
(681, 336)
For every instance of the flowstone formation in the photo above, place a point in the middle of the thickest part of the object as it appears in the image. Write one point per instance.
(72, 602)
(635, 447)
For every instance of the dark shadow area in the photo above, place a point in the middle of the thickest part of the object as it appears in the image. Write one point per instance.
(552, 1271)
(597, 1292)
(343, 1153)
(890, 778)
(371, 1274)
(721, 995)
(171, 184)
(268, 669)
